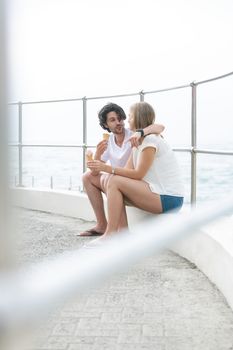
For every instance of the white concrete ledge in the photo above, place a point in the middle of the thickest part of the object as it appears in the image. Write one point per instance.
(210, 249)
(67, 203)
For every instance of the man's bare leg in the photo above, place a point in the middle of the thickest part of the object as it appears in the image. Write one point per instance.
(94, 189)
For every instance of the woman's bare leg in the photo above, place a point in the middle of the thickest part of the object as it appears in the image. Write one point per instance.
(123, 220)
(137, 191)
(123, 223)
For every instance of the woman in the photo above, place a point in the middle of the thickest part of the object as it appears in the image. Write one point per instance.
(150, 180)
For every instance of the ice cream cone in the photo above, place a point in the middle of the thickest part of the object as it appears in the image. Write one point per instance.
(105, 136)
(89, 155)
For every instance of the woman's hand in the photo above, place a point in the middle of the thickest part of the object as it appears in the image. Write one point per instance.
(135, 139)
(96, 165)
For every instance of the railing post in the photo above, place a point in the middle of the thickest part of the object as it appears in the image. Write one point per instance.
(194, 144)
(70, 184)
(51, 182)
(20, 141)
(141, 93)
(84, 131)
(4, 234)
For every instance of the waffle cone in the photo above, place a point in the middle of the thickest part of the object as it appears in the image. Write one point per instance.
(106, 136)
(89, 156)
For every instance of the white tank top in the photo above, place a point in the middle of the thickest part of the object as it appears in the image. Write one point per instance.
(118, 156)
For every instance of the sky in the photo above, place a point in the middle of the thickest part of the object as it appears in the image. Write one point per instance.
(66, 49)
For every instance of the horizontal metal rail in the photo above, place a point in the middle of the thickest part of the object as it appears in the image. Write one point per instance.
(220, 152)
(46, 101)
(167, 89)
(205, 151)
(176, 149)
(126, 95)
(213, 79)
(47, 145)
(113, 96)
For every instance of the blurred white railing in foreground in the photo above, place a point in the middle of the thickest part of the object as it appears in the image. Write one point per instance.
(28, 296)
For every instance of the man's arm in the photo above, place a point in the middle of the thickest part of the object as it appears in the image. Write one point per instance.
(151, 129)
(100, 149)
(154, 129)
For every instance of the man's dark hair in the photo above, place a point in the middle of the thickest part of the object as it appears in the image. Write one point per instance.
(110, 107)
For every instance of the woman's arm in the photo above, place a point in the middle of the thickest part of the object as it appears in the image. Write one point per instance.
(129, 164)
(150, 129)
(145, 161)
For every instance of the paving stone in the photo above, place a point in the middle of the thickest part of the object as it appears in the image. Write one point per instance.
(81, 347)
(156, 329)
(66, 328)
(162, 303)
(105, 340)
(111, 317)
(147, 346)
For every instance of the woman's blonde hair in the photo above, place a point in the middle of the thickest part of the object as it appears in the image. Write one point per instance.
(143, 114)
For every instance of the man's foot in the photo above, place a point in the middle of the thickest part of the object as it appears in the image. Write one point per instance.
(89, 233)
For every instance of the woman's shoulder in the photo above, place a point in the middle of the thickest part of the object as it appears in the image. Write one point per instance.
(152, 138)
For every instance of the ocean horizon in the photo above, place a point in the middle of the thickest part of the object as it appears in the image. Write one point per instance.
(64, 166)
(63, 124)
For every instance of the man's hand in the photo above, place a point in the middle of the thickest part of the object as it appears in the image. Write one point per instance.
(101, 148)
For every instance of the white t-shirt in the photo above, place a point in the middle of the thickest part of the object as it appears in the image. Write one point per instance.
(118, 156)
(164, 175)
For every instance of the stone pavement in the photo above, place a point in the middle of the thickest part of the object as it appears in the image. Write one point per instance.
(162, 303)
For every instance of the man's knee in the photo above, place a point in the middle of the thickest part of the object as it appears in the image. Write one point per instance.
(90, 180)
(86, 178)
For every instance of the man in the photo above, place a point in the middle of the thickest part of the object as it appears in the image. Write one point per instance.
(117, 151)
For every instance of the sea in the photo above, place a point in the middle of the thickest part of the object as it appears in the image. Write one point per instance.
(62, 169)
(61, 123)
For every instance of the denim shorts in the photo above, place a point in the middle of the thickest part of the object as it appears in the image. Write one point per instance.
(171, 202)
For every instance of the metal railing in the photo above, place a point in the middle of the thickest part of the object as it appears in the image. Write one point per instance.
(193, 149)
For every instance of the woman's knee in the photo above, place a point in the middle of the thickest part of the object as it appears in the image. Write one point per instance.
(113, 182)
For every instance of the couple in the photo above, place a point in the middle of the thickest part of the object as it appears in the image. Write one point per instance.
(142, 170)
